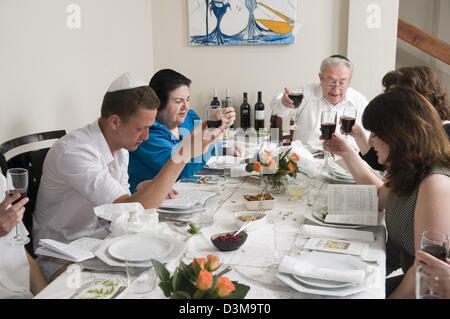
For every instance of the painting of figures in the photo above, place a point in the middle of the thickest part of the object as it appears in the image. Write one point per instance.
(241, 22)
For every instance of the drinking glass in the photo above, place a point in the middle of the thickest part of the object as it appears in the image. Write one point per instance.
(296, 96)
(140, 274)
(435, 243)
(214, 120)
(348, 119)
(17, 182)
(433, 282)
(328, 120)
(297, 187)
(284, 237)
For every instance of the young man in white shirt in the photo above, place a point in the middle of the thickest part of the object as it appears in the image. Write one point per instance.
(20, 276)
(333, 92)
(88, 167)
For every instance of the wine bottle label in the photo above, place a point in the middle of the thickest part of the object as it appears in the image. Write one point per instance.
(259, 115)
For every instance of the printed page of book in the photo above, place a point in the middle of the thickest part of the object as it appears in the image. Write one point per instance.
(352, 204)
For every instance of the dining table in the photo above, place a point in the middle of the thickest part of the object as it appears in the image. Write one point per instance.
(254, 264)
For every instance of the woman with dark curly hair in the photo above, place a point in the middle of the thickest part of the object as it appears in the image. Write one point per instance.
(407, 134)
(421, 79)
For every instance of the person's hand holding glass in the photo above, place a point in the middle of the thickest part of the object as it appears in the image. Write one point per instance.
(17, 182)
(328, 119)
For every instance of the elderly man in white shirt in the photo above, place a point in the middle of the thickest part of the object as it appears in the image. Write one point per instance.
(20, 276)
(333, 92)
(88, 167)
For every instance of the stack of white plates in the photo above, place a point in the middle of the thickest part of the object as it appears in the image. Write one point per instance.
(143, 246)
(325, 287)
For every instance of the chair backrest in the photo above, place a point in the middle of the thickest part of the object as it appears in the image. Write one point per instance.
(33, 161)
(277, 122)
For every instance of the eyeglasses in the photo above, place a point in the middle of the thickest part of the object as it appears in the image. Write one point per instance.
(332, 85)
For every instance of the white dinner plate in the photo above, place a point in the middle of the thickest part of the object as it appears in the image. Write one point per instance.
(102, 252)
(320, 283)
(337, 180)
(226, 161)
(143, 247)
(326, 287)
(309, 215)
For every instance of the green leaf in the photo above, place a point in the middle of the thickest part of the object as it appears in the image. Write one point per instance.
(240, 292)
(166, 287)
(179, 294)
(160, 269)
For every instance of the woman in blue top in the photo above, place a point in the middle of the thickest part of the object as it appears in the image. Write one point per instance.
(174, 121)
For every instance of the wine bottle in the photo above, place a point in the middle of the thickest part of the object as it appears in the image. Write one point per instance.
(228, 102)
(259, 113)
(245, 113)
(215, 100)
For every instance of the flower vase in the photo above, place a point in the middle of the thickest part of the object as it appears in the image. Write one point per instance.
(274, 184)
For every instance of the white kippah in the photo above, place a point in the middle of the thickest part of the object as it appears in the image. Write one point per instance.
(126, 81)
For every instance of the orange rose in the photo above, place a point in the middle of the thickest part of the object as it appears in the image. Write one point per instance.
(212, 263)
(294, 157)
(291, 167)
(257, 167)
(200, 261)
(204, 280)
(272, 164)
(224, 286)
(266, 156)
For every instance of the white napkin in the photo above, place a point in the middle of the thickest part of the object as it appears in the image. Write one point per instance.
(341, 233)
(306, 164)
(128, 218)
(300, 267)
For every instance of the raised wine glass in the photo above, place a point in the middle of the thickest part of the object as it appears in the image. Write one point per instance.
(17, 182)
(348, 119)
(297, 97)
(328, 120)
(214, 120)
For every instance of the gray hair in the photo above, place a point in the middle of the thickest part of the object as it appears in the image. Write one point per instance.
(334, 61)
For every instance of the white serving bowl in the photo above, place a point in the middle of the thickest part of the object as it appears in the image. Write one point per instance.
(254, 205)
(254, 225)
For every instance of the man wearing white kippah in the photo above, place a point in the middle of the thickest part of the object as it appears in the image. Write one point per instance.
(333, 92)
(88, 167)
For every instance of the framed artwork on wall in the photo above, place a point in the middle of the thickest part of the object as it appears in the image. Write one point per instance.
(241, 22)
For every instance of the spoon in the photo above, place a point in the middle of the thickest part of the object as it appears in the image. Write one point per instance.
(242, 228)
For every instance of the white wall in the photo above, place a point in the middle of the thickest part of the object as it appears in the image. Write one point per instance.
(433, 17)
(249, 68)
(372, 41)
(53, 77)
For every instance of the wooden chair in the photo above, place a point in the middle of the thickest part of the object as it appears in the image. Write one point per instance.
(277, 122)
(31, 158)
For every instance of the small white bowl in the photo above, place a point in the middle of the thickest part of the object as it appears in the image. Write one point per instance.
(254, 224)
(254, 205)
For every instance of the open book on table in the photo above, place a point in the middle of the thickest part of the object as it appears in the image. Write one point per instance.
(352, 204)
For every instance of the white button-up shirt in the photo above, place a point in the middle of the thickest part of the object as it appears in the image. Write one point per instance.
(14, 266)
(79, 173)
(307, 115)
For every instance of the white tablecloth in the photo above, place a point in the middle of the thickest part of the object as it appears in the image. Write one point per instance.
(252, 262)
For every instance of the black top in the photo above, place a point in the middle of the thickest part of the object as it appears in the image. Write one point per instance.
(371, 156)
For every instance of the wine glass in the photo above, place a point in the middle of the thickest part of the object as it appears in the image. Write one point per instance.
(17, 182)
(214, 120)
(297, 187)
(297, 97)
(348, 119)
(328, 120)
(435, 243)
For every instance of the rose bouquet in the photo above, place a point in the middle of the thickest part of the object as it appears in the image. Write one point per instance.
(197, 281)
(274, 168)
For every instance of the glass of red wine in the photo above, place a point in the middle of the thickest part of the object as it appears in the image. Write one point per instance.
(435, 243)
(17, 182)
(214, 120)
(297, 98)
(348, 119)
(328, 119)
